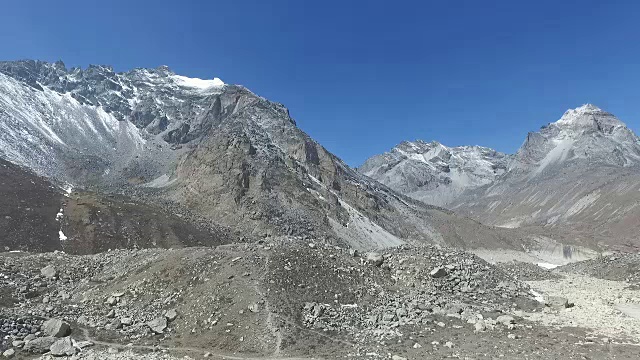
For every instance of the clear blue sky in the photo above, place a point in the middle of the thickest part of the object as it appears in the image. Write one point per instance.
(361, 76)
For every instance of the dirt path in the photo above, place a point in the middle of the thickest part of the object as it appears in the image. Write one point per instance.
(607, 307)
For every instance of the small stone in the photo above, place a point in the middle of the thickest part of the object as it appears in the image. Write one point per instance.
(556, 301)
(506, 319)
(126, 321)
(441, 324)
(353, 252)
(480, 326)
(17, 343)
(374, 259)
(417, 346)
(82, 344)
(111, 301)
(171, 314)
(398, 357)
(158, 325)
(9, 353)
(207, 354)
(254, 308)
(63, 347)
(56, 328)
(111, 314)
(312, 245)
(112, 350)
(448, 344)
(512, 336)
(438, 272)
(49, 272)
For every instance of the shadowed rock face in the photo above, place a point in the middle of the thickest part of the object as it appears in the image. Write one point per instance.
(214, 151)
(35, 215)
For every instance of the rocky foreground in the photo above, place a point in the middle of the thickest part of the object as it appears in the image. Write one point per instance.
(280, 299)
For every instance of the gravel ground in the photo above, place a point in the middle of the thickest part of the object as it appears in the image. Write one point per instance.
(597, 305)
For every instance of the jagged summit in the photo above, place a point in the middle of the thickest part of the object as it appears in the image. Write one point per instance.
(589, 116)
(433, 172)
(587, 134)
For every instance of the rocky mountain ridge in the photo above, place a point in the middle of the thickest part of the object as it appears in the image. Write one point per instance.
(576, 178)
(434, 173)
(205, 148)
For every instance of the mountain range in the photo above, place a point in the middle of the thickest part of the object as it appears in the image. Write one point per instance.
(212, 158)
(577, 177)
(150, 158)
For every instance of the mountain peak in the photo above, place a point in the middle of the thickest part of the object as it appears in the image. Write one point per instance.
(588, 115)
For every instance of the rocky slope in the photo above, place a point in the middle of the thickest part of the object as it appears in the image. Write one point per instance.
(203, 149)
(284, 300)
(36, 215)
(434, 173)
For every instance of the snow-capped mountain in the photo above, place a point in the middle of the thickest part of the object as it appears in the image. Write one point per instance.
(586, 134)
(578, 178)
(214, 153)
(434, 173)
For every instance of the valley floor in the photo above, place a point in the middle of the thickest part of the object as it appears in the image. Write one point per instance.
(282, 300)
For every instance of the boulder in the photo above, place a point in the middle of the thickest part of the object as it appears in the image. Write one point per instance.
(158, 325)
(56, 328)
(63, 347)
(9, 353)
(506, 320)
(49, 272)
(374, 259)
(171, 314)
(39, 345)
(438, 272)
(556, 302)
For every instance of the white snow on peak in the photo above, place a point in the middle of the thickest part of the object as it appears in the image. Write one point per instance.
(197, 84)
(585, 115)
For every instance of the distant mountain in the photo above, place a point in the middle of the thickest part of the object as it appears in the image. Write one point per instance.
(577, 178)
(213, 154)
(434, 173)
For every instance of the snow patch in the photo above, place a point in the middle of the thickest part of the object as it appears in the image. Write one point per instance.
(547, 266)
(62, 236)
(195, 83)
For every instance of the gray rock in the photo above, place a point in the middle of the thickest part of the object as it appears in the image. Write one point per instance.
(398, 357)
(171, 314)
(506, 319)
(126, 321)
(438, 272)
(82, 344)
(56, 328)
(111, 301)
(158, 325)
(556, 301)
(18, 343)
(49, 272)
(39, 345)
(374, 259)
(9, 353)
(63, 347)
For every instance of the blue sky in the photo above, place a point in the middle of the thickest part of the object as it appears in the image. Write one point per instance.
(361, 76)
